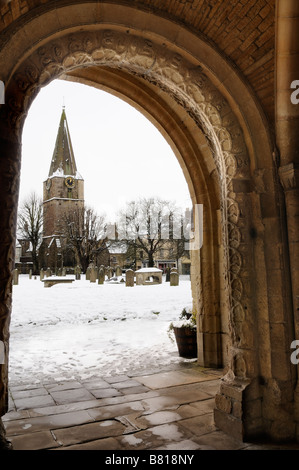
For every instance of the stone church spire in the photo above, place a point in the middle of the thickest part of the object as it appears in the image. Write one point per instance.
(63, 160)
(63, 192)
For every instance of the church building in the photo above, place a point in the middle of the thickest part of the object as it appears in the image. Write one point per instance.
(63, 191)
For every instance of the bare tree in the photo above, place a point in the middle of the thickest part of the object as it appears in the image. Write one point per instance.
(147, 225)
(84, 231)
(30, 224)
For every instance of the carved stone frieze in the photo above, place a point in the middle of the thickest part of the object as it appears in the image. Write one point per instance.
(171, 72)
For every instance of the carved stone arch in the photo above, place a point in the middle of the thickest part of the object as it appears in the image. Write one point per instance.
(219, 114)
(189, 86)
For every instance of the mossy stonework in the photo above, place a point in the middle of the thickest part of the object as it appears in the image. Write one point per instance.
(221, 127)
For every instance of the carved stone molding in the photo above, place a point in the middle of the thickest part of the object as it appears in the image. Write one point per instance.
(188, 85)
(289, 176)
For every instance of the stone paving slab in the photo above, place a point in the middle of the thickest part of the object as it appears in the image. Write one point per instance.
(88, 432)
(32, 425)
(35, 441)
(59, 387)
(30, 402)
(100, 444)
(70, 396)
(106, 393)
(35, 392)
(172, 378)
(170, 410)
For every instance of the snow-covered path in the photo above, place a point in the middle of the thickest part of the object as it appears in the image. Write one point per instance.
(83, 329)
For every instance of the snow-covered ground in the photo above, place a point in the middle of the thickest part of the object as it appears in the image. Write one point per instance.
(82, 330)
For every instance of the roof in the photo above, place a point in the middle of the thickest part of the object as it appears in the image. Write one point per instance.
(117, 248)
(63, 160)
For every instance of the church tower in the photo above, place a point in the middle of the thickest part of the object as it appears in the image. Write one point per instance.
(63, 191)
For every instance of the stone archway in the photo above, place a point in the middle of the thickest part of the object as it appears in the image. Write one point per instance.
(219, 173)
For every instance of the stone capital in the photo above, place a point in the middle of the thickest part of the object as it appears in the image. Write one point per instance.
(289, 176)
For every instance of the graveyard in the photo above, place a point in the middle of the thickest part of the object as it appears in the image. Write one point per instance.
(92, 327)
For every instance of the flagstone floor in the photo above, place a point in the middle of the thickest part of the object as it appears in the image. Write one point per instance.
(168, 410)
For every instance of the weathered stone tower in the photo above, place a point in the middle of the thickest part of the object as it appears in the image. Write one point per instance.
(62, 191)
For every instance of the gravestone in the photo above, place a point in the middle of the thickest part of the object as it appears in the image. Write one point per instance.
(30, 274)
(63, 273)
(130, 278)
(78, 273)
(42, 274)
(167, 275)
(88, 274)
(48, 272)
(93, 274)
(118, 271)
(15, 277)
(174, 278)
(101, 276)
(109, 272)
(59, 272)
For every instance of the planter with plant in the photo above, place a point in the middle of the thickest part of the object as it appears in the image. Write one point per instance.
(185, 333)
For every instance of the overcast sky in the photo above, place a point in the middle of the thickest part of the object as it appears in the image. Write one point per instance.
(119, 153)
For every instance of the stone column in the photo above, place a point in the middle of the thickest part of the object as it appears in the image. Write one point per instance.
(287, 131)
(9, 184)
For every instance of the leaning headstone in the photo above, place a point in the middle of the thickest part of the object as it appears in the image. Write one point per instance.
(174, 279)
(42, 274)
(101, 276)
(15, 277)
(93, 274)
(118, 271)
(130, 278)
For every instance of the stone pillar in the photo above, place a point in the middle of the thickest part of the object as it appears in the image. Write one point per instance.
(287, 125)
(9, 183)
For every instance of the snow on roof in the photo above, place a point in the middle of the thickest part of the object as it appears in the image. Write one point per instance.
(148, 270)
(115, 248)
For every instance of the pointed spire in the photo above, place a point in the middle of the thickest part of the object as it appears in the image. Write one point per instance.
(63, 160)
